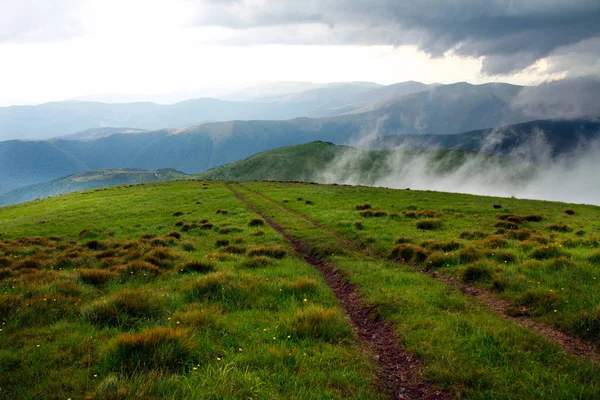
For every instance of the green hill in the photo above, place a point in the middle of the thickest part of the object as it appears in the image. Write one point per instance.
(216, 290)
(88, 180)
(316, 161)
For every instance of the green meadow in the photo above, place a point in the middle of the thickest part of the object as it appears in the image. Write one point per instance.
(181, 290)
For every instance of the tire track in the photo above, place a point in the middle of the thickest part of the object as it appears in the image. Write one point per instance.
(399, 372)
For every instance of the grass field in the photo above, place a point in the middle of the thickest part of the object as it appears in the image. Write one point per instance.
(180, 290)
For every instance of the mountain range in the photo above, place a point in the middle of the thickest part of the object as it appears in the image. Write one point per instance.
(408, 107)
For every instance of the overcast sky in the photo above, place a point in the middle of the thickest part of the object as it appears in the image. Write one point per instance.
(63, 49)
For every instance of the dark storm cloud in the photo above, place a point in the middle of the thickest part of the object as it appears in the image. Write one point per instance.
(34, 21)
(511, 35)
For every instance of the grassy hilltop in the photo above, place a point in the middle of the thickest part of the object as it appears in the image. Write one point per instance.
(185, 290)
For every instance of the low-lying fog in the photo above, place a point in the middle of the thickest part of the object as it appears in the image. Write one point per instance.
(528, 173)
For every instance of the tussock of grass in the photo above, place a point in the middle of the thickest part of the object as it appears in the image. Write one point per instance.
(230, 229)
(136, 269)
(316, 322)
(473, 235)
(495, 242)
(257, 262)
(95, 276)
(547, 252)
(403, 239)
(429, 224)
(569, 212)
(540, 300)
(364, 206)
(468, 255)
(506, 225)
(476, 272)
(200, 318)
(178, 213)
(256, 222)
(429, 214)
(199, 266)
(222, 212)
(300, 287)
(373, 213)
(594, 258)
(510, 218)
(257, 232)
(188, 246)
(587, 323)
(561, 262)
(9, 304)
(95, 245)
(163, 258)
(446, 246)
(559, 228)
(174, 234)
(409, 253)
(222, 243)
(439, 259)
(503, 256)
(359, 226)
(206, 226)
(125, 308)
(534, 218)
(519, 234)
(162, 349)
(268, 251)
(234, 249)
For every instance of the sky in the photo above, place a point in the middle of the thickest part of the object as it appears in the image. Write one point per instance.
(167, 50)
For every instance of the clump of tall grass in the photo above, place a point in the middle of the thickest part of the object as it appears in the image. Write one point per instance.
(547, 252)
(480, 271)
(256, 222)
(96, 276)
(162, 349)
(300, 287)
(234, 249)
(440, 245)
(472, 235)
(125, 308)
(268, 251)
(559, 228)
(199, 266)
(429, 224)
(163, 258)
(230, 229)
(326, 324)
(439, 259)
(409, 253)
(364, 206)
